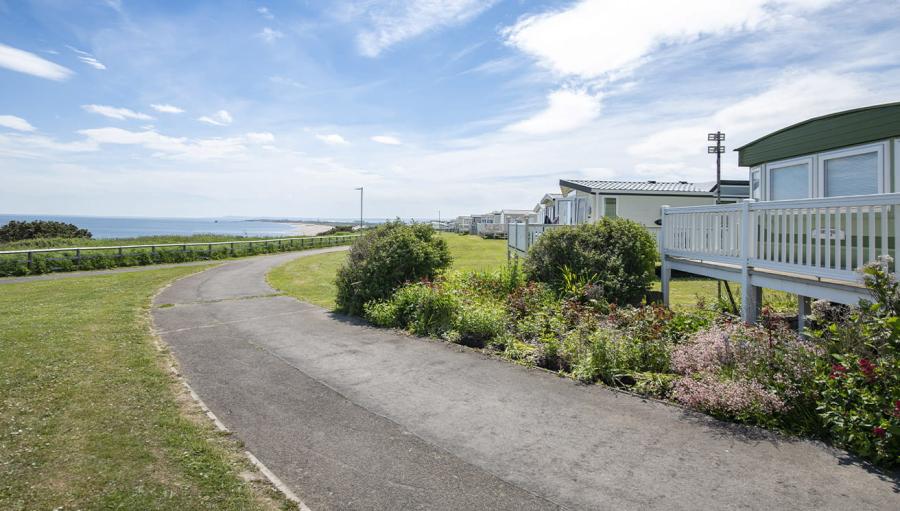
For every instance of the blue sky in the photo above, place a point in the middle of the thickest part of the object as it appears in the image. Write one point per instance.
(122, 107)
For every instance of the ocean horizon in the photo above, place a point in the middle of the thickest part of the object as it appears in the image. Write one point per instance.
(107, 227)
(129, 227)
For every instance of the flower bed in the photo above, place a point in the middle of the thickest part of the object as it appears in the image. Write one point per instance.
(841, 383)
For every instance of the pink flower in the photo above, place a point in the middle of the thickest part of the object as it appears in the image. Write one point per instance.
(897, 408)
(879, 431)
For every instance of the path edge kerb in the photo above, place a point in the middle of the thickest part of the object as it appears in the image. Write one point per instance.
(169, 359)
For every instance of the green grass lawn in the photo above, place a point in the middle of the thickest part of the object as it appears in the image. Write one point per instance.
(90, 418)
(687, 292)
(311, 279)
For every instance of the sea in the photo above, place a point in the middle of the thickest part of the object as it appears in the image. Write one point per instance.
(129, 227)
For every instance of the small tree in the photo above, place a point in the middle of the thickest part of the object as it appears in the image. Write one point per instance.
(385, 258)
(616, 255)
(16, 231)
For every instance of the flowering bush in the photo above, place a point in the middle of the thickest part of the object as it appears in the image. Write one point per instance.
(750, 373)
(860, 384)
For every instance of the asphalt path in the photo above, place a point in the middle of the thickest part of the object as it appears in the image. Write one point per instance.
(353, 417)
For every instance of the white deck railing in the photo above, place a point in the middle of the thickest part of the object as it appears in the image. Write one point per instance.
(521, 236)
(828, 238)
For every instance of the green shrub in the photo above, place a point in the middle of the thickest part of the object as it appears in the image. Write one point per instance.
(860, 384)
(385, 258)
(478, 322)
(615, 254)
(382, 313)
(17, 231)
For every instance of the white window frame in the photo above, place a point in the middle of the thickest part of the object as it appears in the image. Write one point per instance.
(759, 171)
(853, 151)
(808, 160)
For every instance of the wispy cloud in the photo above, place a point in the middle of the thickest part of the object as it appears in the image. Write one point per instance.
(177, 147)
(220, 118)
(29, 63)
(566, 110)
(270, 35)
(91, 61)
(386, 140)
(166, 108)
(265, 13)
(87, 58)
(332, 138)
(116, 113)
(15, 123)
(391, 22)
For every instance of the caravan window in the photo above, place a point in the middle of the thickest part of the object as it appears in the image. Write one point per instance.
(789, 179)
(755, 183)
(854, 171)
(610, 207)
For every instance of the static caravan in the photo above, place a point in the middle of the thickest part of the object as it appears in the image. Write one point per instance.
(824, 204)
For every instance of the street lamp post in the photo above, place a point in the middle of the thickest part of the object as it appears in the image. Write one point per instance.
(360, 207)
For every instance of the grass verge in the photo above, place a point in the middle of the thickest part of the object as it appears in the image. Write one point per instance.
(311, 279)
(89, 416)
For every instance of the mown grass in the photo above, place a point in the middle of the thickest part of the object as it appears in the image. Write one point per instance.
(688, 292)
(311, 279)
(89, 416)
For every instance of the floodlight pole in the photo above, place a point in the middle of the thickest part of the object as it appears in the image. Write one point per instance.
(718, 167)
(717, 137)
(360, 207)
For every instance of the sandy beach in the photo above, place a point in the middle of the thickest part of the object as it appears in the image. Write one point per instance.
(303, 229)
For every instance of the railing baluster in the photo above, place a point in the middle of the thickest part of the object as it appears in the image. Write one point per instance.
(884, 231)
(828, 237)
(859, 237)
(871, 256)
(807, 236)
(848, 239)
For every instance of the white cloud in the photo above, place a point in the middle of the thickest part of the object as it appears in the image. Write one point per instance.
(386, 139)
(392, 22)
(265, 13)
(177, 147)
(567, 110)
(595, 37)
(332, 138)
(91, 61)
(220, 118)
(15, 123)
(166, 108)
(29, 63)
(116, 113)
(269, 35)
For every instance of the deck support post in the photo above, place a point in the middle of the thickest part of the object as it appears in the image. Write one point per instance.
(803, 310)
(665, 273)
(751, 296)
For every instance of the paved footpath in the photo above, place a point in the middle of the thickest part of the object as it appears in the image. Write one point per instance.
(352, 417)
